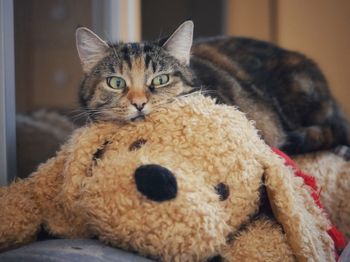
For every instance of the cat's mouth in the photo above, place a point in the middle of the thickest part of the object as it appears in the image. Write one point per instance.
(139, 117)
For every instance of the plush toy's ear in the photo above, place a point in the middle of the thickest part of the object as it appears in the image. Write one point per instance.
(303, 222)
(332, 173)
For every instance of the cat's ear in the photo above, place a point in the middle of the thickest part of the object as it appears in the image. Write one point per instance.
(180, 42)
(91, 48)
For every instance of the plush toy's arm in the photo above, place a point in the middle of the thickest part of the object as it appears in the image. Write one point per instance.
(262, 240)
(23, 204)
(47, 197)
(20, 214)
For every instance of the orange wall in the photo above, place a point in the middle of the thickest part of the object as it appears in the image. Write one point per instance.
(318, 28)
(249, 18)
(321, 29)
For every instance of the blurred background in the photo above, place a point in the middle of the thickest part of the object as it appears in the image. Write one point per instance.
(47, 66)
(47, 69)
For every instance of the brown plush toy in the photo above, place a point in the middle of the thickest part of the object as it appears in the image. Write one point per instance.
(192, 182)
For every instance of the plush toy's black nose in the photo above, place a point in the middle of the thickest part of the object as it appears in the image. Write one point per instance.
(156, 182)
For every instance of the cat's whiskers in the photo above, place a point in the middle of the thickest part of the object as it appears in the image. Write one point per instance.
(78, 116)
(81, 114)
(86, 114)
(204, 92)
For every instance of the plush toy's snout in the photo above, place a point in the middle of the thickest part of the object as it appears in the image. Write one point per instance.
(156, 182)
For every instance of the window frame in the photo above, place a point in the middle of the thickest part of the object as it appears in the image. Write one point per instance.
(105, 22)
(7, 94)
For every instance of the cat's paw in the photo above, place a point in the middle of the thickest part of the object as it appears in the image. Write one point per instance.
(342, 151)
(295, 143)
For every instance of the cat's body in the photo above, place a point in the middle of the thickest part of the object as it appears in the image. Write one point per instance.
(282, 91)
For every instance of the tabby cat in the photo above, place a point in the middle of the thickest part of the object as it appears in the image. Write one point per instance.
(284, 92)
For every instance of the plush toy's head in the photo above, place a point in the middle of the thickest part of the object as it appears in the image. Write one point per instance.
(186, 184)
(182, 183)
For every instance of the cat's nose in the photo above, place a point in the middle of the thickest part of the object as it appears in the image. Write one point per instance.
(156, 182)
(138, 106)
(138, 100)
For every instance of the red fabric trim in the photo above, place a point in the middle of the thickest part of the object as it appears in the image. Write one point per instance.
(333, 232)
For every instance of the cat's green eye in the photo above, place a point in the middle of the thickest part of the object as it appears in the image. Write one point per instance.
(116, 82)
(160, 80)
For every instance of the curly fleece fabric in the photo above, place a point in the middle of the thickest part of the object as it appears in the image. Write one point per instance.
(88, 190)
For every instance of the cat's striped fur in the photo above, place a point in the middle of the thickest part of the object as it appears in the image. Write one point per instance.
(284, 92)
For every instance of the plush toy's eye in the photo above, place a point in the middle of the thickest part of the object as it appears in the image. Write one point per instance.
(160, 80)
(116, 82)
(137, 144)
(223, 191)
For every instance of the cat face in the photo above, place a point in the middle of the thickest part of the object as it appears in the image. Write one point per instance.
(127, 81)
